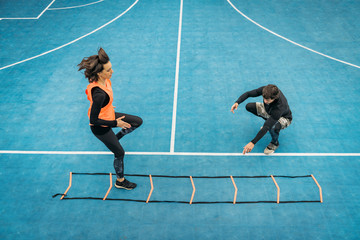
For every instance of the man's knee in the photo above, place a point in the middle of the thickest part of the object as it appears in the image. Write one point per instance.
(277, 127)
(251, 107)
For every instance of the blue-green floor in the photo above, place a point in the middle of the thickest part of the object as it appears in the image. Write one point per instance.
(30, 212)
(222, 54)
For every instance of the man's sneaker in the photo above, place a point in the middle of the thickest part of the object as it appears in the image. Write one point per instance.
(270, 148)
(125, 185)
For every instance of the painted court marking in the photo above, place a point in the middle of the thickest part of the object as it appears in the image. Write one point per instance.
(286, 39)
(69, 43)
(173, 126)
(79, 6)
(34, 18)
(183, 154)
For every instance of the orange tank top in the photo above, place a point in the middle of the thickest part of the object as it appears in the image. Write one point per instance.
(107, 112)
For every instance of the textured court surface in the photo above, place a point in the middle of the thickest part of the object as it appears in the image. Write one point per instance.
(222, 54)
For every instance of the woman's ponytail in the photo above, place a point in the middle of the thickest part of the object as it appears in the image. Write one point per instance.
(94, 65)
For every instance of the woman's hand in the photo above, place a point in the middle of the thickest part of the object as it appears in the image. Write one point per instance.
(234, 107)
(122, 124)
(248, 147)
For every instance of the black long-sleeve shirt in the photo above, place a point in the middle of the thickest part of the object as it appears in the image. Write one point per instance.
(100, 100)
(277, 109)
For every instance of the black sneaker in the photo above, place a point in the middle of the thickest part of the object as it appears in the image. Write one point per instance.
(270, 149)
(125, 184)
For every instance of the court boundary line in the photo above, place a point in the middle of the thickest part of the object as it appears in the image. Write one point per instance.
(32, 18)
(288, 40)
(183, 154)
(73, 41)
(79, 6)
(45, 9)
(173, 124)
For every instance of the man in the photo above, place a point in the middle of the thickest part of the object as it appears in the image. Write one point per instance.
(274, 110)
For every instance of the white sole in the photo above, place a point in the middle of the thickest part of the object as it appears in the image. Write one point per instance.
(268, 153)
(120, 187)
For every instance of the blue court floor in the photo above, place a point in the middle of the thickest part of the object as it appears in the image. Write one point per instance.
(180, 65)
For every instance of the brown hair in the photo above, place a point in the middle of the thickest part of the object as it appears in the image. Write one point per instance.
(271, 91)
(94, 65)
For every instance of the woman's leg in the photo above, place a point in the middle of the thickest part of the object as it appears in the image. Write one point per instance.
(134, 121)
(111, 142)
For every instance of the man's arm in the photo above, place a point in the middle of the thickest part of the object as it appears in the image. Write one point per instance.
(253, 93)
(269, 123)
(266, 127)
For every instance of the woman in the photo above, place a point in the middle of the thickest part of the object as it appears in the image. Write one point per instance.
(103, 118)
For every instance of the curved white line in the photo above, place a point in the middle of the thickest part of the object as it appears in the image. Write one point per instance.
(42, 54)
(75, 6)
(286, 39)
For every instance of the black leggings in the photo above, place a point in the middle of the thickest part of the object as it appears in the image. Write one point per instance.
(111, 140)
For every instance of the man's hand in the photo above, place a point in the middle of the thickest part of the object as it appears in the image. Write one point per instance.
(122, 124)
(248, 147)
(234, 107)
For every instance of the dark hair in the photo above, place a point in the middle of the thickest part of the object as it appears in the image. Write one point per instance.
(271, 92)
(93, 65)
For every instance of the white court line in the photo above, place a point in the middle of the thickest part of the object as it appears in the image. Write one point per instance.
(29, 18)
(45, 9)
(184, 154)
(42, 54)
(33, 18)
(173, 126)
(286, 39)
(63, 8)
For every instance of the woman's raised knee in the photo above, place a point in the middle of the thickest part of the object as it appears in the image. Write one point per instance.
(139, 122)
